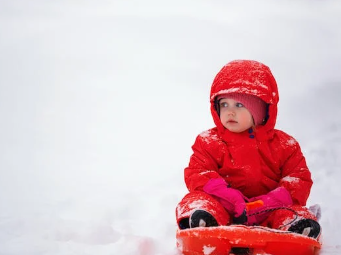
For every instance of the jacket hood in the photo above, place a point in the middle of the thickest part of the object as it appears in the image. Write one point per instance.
(247, 77)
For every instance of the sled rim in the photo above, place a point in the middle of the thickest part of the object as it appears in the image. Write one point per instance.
(243, 235)
(258, 239)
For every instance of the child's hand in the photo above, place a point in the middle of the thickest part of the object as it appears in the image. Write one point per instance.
(232, 200)
(260, 207)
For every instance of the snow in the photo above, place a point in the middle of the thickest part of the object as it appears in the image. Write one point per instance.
(240, 90)
(208, 136)
(208, 250)
(290, 179)
(291, 142)
(100, 103)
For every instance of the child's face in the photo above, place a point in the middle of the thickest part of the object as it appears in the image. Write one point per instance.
(234, 116)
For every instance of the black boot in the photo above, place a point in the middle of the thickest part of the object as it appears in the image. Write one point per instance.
(201, 218)
(307, 227)
(184, 223)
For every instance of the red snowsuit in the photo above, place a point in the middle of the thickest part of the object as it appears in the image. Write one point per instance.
(254, 163)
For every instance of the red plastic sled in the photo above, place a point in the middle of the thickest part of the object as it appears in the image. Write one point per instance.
(226, 240)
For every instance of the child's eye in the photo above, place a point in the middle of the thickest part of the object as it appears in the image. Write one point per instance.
(223, 104)
(239, 105)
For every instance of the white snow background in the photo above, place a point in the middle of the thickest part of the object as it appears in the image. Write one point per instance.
(100, 103)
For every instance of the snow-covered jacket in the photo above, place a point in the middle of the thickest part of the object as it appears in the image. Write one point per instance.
(257, 160)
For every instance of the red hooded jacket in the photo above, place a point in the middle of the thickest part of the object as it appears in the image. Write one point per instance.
(255, 161)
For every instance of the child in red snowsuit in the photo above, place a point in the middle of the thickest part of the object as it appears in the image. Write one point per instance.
(245, 159)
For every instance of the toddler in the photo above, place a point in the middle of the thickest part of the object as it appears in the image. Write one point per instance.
(244, 171)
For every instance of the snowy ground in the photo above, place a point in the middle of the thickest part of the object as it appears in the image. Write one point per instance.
(100, 102)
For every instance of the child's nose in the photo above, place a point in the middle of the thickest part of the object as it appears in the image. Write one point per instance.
(231, 111)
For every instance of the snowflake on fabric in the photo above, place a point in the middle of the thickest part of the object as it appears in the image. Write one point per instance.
(251, 91)
(197, 204)
(208, 137)
(291, 142)
(290, 179)
(255, 83)
(205, 172)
